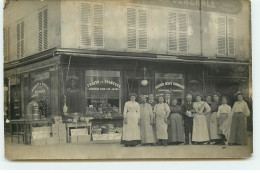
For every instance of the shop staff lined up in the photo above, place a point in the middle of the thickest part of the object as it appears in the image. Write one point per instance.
(164, 122)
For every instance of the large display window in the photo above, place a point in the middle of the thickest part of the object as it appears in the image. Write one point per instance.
(102, 89)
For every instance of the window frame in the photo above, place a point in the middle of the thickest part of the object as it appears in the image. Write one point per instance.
(43, 32)
(20, 34)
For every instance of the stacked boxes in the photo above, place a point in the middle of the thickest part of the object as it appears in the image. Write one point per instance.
(40, 135)
(59, 130)
(79, 136)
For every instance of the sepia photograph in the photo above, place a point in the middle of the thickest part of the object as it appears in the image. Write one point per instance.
(127, 79)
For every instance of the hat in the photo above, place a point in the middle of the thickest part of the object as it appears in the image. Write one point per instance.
(238, 93)
(132, 94)
(198, 94)
(167, 92)
(216, 93)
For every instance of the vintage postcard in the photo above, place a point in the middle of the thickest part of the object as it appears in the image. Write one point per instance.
(127, 79)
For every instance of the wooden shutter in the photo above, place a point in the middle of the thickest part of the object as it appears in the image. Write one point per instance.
(6, 44)
(22, 39)
(172, 32)
(40, 27)
(45, 27)
(231, 36)
(131, 28)
(183, 41)
(142, 29)
(85, 15)
(98, 25)
(221, 22)
(18, 48)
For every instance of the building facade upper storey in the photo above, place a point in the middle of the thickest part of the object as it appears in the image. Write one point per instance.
(203, 28)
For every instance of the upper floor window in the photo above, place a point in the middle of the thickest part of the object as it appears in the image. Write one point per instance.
(6, 43)
(226, 36)
(92, 25)
(43, 29)
(20, 39)
(137, 35)
(177, 32)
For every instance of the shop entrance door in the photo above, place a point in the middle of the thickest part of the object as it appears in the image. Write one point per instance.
(15, 102)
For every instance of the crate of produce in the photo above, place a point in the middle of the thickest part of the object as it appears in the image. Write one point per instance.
(100, 137)
(38, 142)
(40, 134)
(53, 140)
(83, 138)
(76, 132)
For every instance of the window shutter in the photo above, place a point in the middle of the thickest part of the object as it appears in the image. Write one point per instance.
(45, 25)
(182, 19)
(172, 32)
(6, 44)
(98, 25)
(22, 39)
(142, 29)
(231, 36)
(131, 28)
(40, 16)
(85, 14)
(221, 35)
(18, 26)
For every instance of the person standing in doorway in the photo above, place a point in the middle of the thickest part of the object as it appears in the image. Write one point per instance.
(161, 111)
(238, 131)
(167, 96)
(187, 110)
(131, 129)
(175, 126)
(148, 135)
(214, 136)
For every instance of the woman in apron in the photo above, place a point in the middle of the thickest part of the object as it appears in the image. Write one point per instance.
(131, 129)
(200, 129)
(161, 111)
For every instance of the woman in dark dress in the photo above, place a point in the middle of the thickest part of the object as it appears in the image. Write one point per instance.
(175, 124)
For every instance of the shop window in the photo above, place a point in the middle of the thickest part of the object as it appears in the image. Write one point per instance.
(20, 39)
(226, 36)
(137, 34)
(43, 29)
(6, 44)
(102, 89)
(172, 82)
(92, 24)
(177, 32)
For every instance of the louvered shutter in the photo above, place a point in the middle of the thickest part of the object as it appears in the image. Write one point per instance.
(85, 14)
(221, 35)
(142, 29)
(22, 39)
(98, 25)
(40, 36)
(172, 32)
(131, 28)
(231, 36)
(45, 27)
(182, 20)
(18, 49)
(6, 44)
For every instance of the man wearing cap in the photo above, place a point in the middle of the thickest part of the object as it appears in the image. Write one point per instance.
(187, 110)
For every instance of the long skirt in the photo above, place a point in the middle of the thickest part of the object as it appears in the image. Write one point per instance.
(175, 128)
(214, 127)
(221, 120)
(200, 129)
(225, 127)
(208, 115)
(238, 131)
(131, 130)
(148, 135)
(161, 127)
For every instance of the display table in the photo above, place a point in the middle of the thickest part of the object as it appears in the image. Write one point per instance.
(77, 125)
(24, 126)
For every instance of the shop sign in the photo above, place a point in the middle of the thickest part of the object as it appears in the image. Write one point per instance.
(40, 88)
(221, 6)
(176, 88)
(91, 85)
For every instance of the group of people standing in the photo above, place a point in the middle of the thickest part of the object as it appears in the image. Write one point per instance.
(199, 122)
